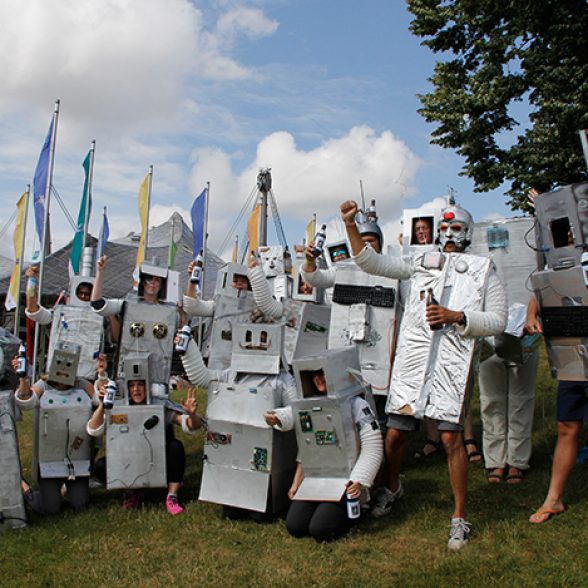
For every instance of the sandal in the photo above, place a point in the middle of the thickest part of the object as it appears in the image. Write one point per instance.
(515, 476)
(496, 475)
(474, 455)
(423, 452)
(544, 514)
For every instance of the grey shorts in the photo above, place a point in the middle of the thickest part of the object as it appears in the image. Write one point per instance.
(405, 422)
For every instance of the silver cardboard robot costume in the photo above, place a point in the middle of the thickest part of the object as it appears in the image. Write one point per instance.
(11, 499)
(561, 283)
(147, 327)
(74, 321)
(363, 310)
(61, 449)
(247, 464)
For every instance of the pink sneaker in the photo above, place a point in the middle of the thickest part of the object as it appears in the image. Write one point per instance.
(132, 499)
(173, 506)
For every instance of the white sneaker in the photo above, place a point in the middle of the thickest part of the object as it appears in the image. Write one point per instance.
(459, 533)
(385, 501)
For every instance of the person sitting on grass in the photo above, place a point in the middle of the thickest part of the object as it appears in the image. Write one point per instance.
(174, 449)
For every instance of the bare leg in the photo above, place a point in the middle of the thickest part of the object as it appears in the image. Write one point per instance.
(395, 446)
(457, 462)
(564, 458)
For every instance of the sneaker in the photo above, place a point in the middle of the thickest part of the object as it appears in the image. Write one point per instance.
(385, 501)
(132, 499)
(459, 533)
(173, 506)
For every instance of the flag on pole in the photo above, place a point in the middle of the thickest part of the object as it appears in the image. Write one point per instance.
(78, 240)
(103, 236)
(253, 228)
(40, 183)
(198, 213)
(531, 195)
(17, 239)
(310, 230)
(143, 212)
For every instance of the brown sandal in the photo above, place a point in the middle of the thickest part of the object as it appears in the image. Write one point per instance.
(496, 475)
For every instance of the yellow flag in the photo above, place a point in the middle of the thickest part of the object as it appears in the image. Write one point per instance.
(17, 239)
(143, 213)
(310, 230)
(253, 228)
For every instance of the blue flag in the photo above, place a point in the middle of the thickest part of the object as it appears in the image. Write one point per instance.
(197, 212)
(40, 183)
(103, 237)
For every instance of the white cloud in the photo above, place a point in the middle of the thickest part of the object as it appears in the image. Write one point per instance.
(313, 181)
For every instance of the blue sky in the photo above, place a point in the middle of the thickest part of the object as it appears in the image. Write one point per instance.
(321, 91)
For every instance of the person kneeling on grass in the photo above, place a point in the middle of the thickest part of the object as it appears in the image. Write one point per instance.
(174, 449)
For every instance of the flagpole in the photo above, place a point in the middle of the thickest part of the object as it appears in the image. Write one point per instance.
(149, 186)
(20, 261)
(205, 237)
(45, 233)
(89, 194)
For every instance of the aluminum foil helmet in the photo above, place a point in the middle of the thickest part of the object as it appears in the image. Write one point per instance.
(367, 224)
(455, 225)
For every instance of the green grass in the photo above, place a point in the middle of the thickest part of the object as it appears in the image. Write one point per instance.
(106, 545)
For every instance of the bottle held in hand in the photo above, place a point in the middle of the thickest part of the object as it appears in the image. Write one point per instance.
(432, 301)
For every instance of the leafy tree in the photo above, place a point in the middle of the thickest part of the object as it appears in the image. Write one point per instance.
(496, 53)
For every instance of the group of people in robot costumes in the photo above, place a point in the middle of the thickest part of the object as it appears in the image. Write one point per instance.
(280, 376)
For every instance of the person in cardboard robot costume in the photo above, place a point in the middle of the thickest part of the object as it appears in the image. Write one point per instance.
(73, 321)
(141, 448)
(149, 322)
(435, 347)
(248, 467)
(362, 310)
(61, 449)
(11, 497)
(339, 440)
(559, 310)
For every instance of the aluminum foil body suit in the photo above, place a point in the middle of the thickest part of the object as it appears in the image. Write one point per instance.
(431, 368)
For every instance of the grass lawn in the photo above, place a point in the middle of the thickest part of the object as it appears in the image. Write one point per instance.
(106, 545)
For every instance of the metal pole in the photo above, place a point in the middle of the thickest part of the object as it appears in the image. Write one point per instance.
(149, 186)
(45, 232)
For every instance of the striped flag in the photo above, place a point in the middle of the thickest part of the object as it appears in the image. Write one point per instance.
(11, 297)
(531, 195)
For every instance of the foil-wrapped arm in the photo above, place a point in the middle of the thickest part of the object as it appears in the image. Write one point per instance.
(264, 300)
(371, 452)
(197, 372)
(107, 306)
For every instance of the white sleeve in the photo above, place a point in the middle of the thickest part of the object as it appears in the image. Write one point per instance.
(264, 300)
(41, 316)
(383, 265)
(286, 416)
(320, 278)
(371, 451)
(107, 307)
(97, 432)
(197, 372)
(198, 307)
(29, 403)
(492, 320)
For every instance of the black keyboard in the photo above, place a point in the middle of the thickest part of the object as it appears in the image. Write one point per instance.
(565, 321)
(375, 295)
